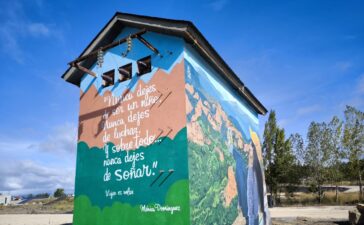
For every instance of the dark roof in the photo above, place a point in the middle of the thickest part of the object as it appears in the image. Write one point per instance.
(181, 28)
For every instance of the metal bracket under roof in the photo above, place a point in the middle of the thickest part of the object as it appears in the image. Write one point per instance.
(137, 35)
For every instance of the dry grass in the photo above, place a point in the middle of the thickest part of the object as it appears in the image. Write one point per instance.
(329, 198)
(50, 206)
(63, 205)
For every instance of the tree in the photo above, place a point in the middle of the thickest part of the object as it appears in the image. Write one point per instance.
(283, 166)
(59, 193)
(333, 139)
(42, 195)
(353, 141)
(30, 196)
(269, 137)
(317, 156)
(298, 148)
(278, 158)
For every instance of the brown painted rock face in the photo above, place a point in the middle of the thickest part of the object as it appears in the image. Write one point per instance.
(138, 117)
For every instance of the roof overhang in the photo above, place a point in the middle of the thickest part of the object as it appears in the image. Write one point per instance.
(180, 28)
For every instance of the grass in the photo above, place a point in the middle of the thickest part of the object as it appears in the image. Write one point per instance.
(37, 206)
(329, 198)
(65, 204)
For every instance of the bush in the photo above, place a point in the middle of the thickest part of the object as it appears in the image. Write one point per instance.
(59, 193)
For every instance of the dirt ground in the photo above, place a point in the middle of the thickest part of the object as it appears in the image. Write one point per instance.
(307, 221)
(322, 215)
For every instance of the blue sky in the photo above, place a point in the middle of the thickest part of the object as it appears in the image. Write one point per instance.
(305, 59)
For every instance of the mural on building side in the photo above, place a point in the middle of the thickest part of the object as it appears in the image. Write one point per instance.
(225, 159)
(132, 151)
(163, 138)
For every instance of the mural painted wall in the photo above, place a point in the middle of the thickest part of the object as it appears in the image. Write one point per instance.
(173, 146)
(225, 159)
(132, 165)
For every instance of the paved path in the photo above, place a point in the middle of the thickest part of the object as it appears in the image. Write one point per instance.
(319, 212)
(35, 219)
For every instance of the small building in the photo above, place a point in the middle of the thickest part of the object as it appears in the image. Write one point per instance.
(5, 199)
(168, 133)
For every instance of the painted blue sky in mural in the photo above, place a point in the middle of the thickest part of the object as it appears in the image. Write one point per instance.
(305, 59)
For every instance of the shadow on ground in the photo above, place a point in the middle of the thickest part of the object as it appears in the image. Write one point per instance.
(306, 221)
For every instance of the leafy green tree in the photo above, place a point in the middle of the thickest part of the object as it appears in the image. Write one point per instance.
(284, 162)
(279, 159)
(269, 137)
(29, 196)
(59, 193)
(353, 141)
(299, 151)
(42, 195)
(298, 148)
(317, 156)
(333, 143)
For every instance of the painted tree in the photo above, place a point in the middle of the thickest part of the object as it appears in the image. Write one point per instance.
(353, 141)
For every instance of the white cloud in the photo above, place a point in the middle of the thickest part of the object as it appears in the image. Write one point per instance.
(38, 29)
(218, 5)
(283, 122)
(344, 65)
(16, 25)
(308, 109)
(357, 94)
(356, 101)
(9, 44)
(21, 177)
(39, 165)
(360, 87)
(7, 146)
(63, 139)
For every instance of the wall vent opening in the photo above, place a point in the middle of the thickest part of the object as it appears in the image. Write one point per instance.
(125, 72)
(144, 65)
(108, 78)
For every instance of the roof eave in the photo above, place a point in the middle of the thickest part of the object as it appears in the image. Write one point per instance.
(179, 28)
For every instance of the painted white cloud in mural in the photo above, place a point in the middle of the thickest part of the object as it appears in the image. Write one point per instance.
(226, 95)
